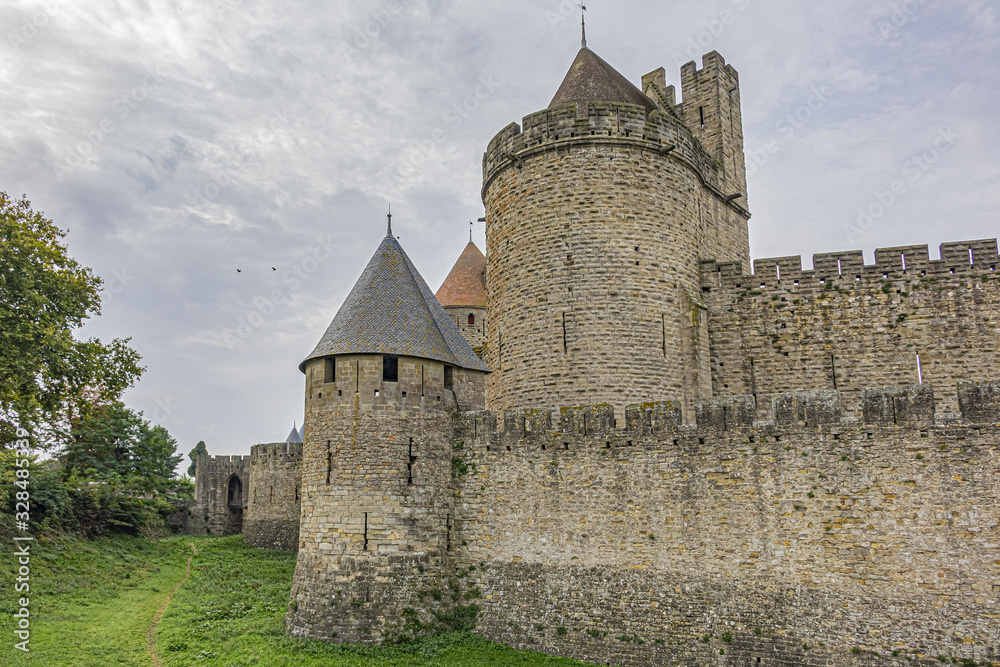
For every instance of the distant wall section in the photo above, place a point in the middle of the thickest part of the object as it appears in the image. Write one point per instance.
(221, 488)
(272, 520)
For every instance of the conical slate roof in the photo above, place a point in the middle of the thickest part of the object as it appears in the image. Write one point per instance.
(591, 79)
(294, 436)
(466, 284)
(392, 311)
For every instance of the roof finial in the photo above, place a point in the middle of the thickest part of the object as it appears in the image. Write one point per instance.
(583, 24)
(470, 231)
(389, 231)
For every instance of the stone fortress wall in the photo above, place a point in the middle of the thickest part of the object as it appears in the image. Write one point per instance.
(815, 538)
(272, 520)
(256, 495)
(766, 505)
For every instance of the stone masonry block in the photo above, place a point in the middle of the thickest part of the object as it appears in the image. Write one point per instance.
(807, 408)
(979, 401)
(653, 417)
(527, 423)
(911, 404)
(587, 419)
(726, 413)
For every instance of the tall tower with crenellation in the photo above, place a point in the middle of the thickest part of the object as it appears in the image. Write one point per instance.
(377, 525)
(598, 211)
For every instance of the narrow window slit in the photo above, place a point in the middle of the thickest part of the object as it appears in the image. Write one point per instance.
(329, 462)
(410, 460)
(663, 331)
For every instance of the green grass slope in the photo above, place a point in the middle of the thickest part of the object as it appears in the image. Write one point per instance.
(92, 604)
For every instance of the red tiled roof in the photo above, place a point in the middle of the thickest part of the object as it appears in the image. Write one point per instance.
(466, 284)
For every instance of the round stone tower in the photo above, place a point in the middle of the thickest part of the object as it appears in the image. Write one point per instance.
(382, 387)
(598, 210)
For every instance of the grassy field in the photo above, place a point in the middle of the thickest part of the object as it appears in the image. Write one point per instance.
(92, 604)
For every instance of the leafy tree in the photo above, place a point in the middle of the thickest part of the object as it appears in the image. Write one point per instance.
(154, 460)
(114, 444)
(198, 450)
(47, 377)
(184, 488)
(101, 443)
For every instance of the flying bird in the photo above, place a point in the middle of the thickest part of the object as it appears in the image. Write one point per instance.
(273, 269)
(239, 270)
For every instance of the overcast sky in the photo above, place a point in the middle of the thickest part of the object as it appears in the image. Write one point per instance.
(180, 141)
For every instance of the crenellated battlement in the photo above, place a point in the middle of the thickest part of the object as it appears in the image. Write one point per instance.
(234, 460)
(599, 123)
(888, 407)
(276, 451)
(844, 268)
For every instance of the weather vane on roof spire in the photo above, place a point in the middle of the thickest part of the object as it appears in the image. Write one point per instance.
(470, 231)
(583, 24)
(389, 231)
